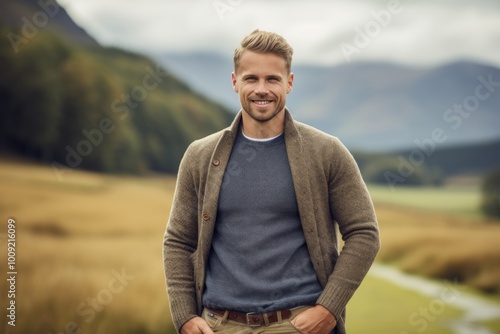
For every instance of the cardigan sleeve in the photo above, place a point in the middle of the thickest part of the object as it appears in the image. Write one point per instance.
(352, 208)
(180, 242)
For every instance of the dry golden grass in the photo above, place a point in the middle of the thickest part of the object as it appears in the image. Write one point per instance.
(73, 235)
(440, 245)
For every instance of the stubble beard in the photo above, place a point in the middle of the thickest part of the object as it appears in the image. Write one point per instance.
(262, 117)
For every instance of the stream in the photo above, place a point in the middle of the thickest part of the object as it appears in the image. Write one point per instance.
(443, 293)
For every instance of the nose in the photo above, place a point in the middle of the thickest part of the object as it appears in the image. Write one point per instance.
(261, 88)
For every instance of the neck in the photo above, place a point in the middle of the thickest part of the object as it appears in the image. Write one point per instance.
(262, 130)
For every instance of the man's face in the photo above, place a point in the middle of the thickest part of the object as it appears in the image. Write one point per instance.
(262, 83)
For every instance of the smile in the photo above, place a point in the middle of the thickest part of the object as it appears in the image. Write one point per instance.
(262, 102)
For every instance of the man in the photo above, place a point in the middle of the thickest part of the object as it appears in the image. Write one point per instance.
(251, 243)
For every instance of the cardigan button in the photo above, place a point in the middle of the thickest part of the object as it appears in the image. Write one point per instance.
(216, 162)
(206, 217)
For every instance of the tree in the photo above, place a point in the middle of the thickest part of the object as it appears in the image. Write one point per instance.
(491, 194)
(31, 96)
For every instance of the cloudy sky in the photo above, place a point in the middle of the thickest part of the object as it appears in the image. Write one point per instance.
(413, 32)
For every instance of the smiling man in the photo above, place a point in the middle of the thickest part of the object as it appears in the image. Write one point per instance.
(251, 245)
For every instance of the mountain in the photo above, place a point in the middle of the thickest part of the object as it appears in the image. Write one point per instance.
(372, 106)
(71, 103)
(31, 16)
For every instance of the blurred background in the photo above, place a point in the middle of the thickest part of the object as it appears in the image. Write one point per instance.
(100, 100)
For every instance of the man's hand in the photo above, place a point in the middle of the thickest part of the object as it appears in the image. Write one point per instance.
(196, 325)
(315, 320)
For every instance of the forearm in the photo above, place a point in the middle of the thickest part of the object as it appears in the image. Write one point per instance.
(179, 280)
(351, 267)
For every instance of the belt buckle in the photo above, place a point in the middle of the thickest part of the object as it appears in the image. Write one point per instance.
(249, 323)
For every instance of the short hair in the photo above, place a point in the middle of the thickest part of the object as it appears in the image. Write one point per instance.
(264, 42)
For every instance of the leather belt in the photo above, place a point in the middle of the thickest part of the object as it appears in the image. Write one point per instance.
(253, 319)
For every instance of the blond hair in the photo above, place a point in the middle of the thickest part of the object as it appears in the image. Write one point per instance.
(264, 42)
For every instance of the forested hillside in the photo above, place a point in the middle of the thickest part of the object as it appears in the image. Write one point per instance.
(75, 105)
(429, 164)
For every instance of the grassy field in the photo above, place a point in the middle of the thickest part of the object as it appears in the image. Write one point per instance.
(380, 307)
(439, 232)
(74, 238)
(89, 255)
(458, 201)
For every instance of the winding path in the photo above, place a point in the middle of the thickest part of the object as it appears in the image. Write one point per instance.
(445, 292)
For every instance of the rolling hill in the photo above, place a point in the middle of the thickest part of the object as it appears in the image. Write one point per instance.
(429, 164)
(69, 102)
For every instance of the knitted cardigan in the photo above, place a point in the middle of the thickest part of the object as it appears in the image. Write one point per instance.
(331, 197)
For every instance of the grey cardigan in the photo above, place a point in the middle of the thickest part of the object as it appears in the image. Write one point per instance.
(330, 193)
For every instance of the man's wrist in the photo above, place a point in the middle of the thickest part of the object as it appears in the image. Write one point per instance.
(326, 311)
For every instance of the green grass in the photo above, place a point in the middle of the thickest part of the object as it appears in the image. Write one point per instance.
(493, 325)
(457, 201)
(381, 307)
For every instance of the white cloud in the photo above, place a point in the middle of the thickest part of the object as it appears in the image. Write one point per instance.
(422, 32)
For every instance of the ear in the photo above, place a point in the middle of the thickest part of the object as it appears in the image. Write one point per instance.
(235, 82)
(290, 83)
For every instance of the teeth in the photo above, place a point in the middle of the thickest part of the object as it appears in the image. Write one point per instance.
(259, 102)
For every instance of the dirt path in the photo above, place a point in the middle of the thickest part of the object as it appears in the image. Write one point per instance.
(443, 293)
